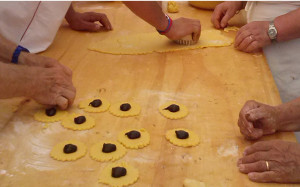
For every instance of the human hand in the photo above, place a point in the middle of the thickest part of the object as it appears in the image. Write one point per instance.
(86, 21)
(50, 86)
(283, 160)
(224, 12)
(257, 119)
(252, 37)
(182, 27)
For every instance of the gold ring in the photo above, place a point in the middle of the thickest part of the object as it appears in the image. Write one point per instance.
(267, 164)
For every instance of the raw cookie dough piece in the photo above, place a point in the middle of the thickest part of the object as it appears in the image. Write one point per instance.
(137, 143)
(97, 154)
(231, 28)
(69, 123)
(87, 107)
(183, 111)
(58, 151)
(192, 140)
(153, 42)
(134, 110)
(172, 7)
(43, 117)
(193, 183)
(132, 175)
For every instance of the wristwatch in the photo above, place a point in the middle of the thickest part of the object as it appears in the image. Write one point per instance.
(272, 32)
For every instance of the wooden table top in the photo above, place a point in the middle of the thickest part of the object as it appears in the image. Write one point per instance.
(213, 83)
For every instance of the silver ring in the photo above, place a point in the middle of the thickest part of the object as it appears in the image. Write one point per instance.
(267, 164)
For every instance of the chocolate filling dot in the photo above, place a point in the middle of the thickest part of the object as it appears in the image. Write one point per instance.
(182, 134)
(133, 134)
(117, 172)
(96, 103)
(125, 107)
(70, 148)
(173, 108)
(108, 148)
(51, 111)
(79, 120)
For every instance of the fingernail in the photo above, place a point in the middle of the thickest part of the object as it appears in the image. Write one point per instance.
(241, 167)
(239, 162)
(97, 26)
(244, 153)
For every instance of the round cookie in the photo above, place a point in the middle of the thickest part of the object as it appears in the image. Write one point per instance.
(131, 176)
(41, 116)
(192, 140)
(68, 122)
(58, 151)
(137, 143)
(87, 107)
(173, 115)
(97, 154)
(133, 111)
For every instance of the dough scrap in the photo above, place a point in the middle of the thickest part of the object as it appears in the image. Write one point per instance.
(134, 111)
(88, 108)
(193, 183)
(131, 176)
(58, 151)
(173, 7)
(192, 140)
(231, 28)
(138, 143)
(97, 154)
(68, 122)
(145, 43)
(41, 116)
(173, 115)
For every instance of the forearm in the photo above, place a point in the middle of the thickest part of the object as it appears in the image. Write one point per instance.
(149, 11)
(289, 116)
(13, 80)
(288, 26)
(7, 49)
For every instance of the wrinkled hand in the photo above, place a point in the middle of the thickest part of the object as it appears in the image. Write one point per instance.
(86, 21)
(224, 12)
(51, 86)
(182, 27)
(283, 159)
(252, 37)
(257, 119)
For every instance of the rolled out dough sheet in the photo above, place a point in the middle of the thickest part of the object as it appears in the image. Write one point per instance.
(153, 42)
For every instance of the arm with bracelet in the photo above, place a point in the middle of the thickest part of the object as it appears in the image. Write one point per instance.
(152, 13)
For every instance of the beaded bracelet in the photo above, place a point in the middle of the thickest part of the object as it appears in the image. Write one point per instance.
(168, 27)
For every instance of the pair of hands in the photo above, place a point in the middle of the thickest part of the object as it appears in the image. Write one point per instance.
(252, 37)
(50, 82)
(255, 120)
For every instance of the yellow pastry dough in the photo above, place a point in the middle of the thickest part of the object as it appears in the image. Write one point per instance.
(88, 108)
(134, 110)
(153, 42)
(138, 143)
(232, 28)
(193, 183)
(192, 140)
(68, 122)
(42, 117)
(173, 115)
(97, 154)
(58, 151)
(173, 7)
(131, 176)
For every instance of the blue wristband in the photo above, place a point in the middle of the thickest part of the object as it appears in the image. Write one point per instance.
(17, 52)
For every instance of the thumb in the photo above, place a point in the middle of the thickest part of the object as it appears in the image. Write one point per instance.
(62, 102)
(226, 18)
(255, 114)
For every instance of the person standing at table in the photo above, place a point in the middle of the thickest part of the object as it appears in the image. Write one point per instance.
(30, 27)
